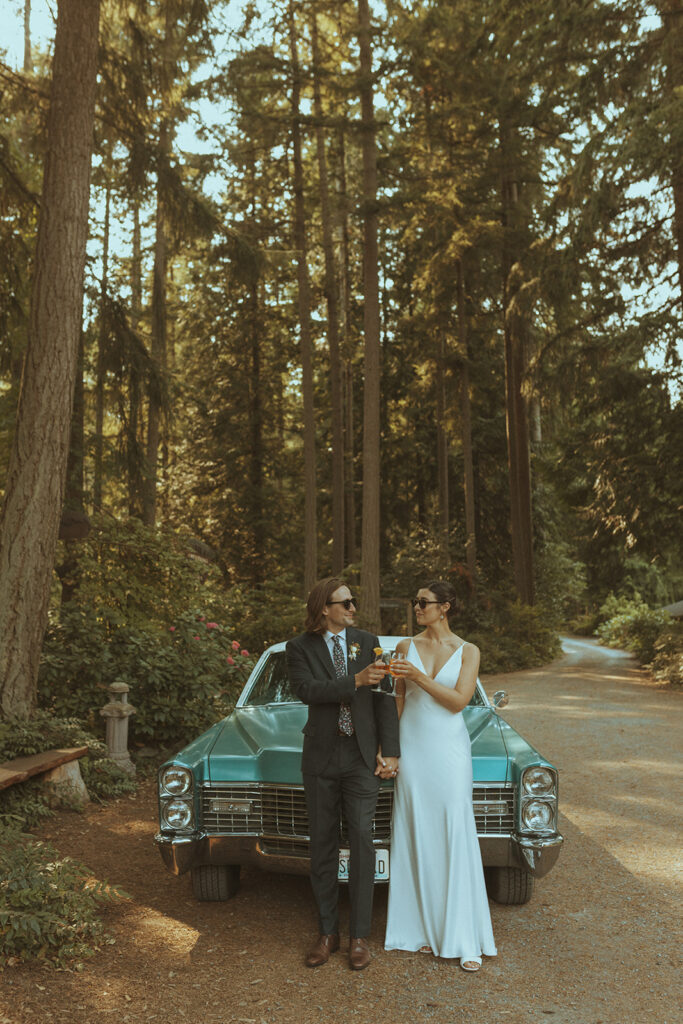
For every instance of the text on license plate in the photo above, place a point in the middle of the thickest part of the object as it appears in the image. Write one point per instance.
(381, 865)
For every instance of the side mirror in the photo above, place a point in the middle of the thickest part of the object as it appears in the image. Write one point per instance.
(500, 699)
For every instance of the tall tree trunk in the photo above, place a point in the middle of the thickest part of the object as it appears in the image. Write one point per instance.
(158, 354)
(257, 512)
(515, 333)
(304, 294)
(332, 319)
(133, 455)
(346, 345)
(28, 59)
(101, 342)
(371, 325)
(29, 521)
(159, 325)
(74, 525)
(672, 25)
(442, 449)
(466, 431)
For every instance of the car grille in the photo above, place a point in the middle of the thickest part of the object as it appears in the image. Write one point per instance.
(278, 814)
(494, 809)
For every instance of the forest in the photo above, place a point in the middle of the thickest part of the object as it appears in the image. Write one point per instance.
(390, 290)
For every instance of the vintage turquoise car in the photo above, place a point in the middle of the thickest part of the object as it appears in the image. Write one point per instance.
(235, 795)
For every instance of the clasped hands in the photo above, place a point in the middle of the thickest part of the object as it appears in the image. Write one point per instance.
(387, 767)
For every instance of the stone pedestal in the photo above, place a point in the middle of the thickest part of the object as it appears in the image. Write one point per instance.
(117, 713)
(67, 786)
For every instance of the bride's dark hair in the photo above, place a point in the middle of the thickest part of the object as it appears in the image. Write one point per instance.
(444, 592)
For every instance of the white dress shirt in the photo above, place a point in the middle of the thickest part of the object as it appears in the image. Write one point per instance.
(329, 640)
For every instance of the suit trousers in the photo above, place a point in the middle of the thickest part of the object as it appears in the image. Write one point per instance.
(345, 782)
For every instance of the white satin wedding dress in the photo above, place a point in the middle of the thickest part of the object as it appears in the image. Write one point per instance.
(437, 894)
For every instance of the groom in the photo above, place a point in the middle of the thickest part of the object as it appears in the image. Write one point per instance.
(331, 667)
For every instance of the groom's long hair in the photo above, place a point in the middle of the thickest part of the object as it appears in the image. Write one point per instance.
(317, 600)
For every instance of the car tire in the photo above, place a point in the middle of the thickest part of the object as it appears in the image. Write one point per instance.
(215, 882)
(509, 885)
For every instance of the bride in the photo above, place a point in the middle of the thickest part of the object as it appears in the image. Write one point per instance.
(437, 896)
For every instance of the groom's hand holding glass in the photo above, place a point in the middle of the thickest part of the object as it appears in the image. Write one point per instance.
(371, 675)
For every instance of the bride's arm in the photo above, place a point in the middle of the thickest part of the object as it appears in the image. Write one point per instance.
(452, 699)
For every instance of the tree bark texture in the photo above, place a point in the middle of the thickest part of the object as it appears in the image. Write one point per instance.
(133, 449)
(332, 318)
(101, 342)
(442, 449)
(304, 296)
(370, 534)
(346, 344)
(159, 325)
(158, 348)
(29, 521)
(672, 21)
(515, 330)
(466, 432)
(256, 510)
(28, 59)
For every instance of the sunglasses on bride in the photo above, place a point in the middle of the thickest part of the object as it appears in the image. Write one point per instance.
(423, 602)
(348, 602)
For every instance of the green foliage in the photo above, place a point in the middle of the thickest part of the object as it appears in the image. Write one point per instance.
(630, 623)
(268, 613)
(20, 737)
(48, 904)
(513, 636)
(182, 678)
(560, 580)
(22, 804)
(136, 577)
(667, 664)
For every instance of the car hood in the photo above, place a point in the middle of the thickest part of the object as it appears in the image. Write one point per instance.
(263, 744)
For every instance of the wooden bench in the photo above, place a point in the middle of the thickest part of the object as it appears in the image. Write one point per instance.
(22, 768)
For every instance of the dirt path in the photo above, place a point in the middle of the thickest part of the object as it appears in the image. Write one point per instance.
(599, 941)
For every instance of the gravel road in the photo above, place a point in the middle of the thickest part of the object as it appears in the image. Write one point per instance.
(598, 943)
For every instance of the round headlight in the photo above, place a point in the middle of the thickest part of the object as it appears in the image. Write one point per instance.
(537, 815)
(538, 782)
(176, 780)
(178, 814)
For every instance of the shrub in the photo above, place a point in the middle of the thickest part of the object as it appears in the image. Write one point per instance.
(514, 636)
(48, 904)
(182, 677)
(630, 623)
(667, 664)
(22, 804)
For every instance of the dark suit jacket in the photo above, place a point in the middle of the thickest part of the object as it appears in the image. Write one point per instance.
(316, 683)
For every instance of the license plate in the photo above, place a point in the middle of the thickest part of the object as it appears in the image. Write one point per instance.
(381, 865)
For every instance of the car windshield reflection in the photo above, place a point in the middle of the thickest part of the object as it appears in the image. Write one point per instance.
(273, 686)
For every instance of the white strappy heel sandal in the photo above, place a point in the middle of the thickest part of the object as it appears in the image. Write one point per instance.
(470, 963)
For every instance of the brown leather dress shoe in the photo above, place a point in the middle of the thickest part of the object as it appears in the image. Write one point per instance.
(320, 953)
(359, 954)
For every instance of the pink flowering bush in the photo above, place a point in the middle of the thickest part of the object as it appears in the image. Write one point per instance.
(180, 681)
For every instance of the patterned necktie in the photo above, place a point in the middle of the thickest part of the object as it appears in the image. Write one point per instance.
(344, 722)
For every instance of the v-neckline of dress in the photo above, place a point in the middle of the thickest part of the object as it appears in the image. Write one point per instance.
(450, 656)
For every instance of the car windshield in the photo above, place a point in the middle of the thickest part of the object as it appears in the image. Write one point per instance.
(273, 686)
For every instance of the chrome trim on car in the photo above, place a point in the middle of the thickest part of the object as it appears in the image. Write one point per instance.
(537, 854)
(178, 853)
(279, 810)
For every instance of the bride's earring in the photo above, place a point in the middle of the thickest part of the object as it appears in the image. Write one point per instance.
(442, 615)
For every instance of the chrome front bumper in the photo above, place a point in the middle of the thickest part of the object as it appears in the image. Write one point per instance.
(534, 854)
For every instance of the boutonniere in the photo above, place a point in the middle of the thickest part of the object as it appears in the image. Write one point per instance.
(354, 650)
